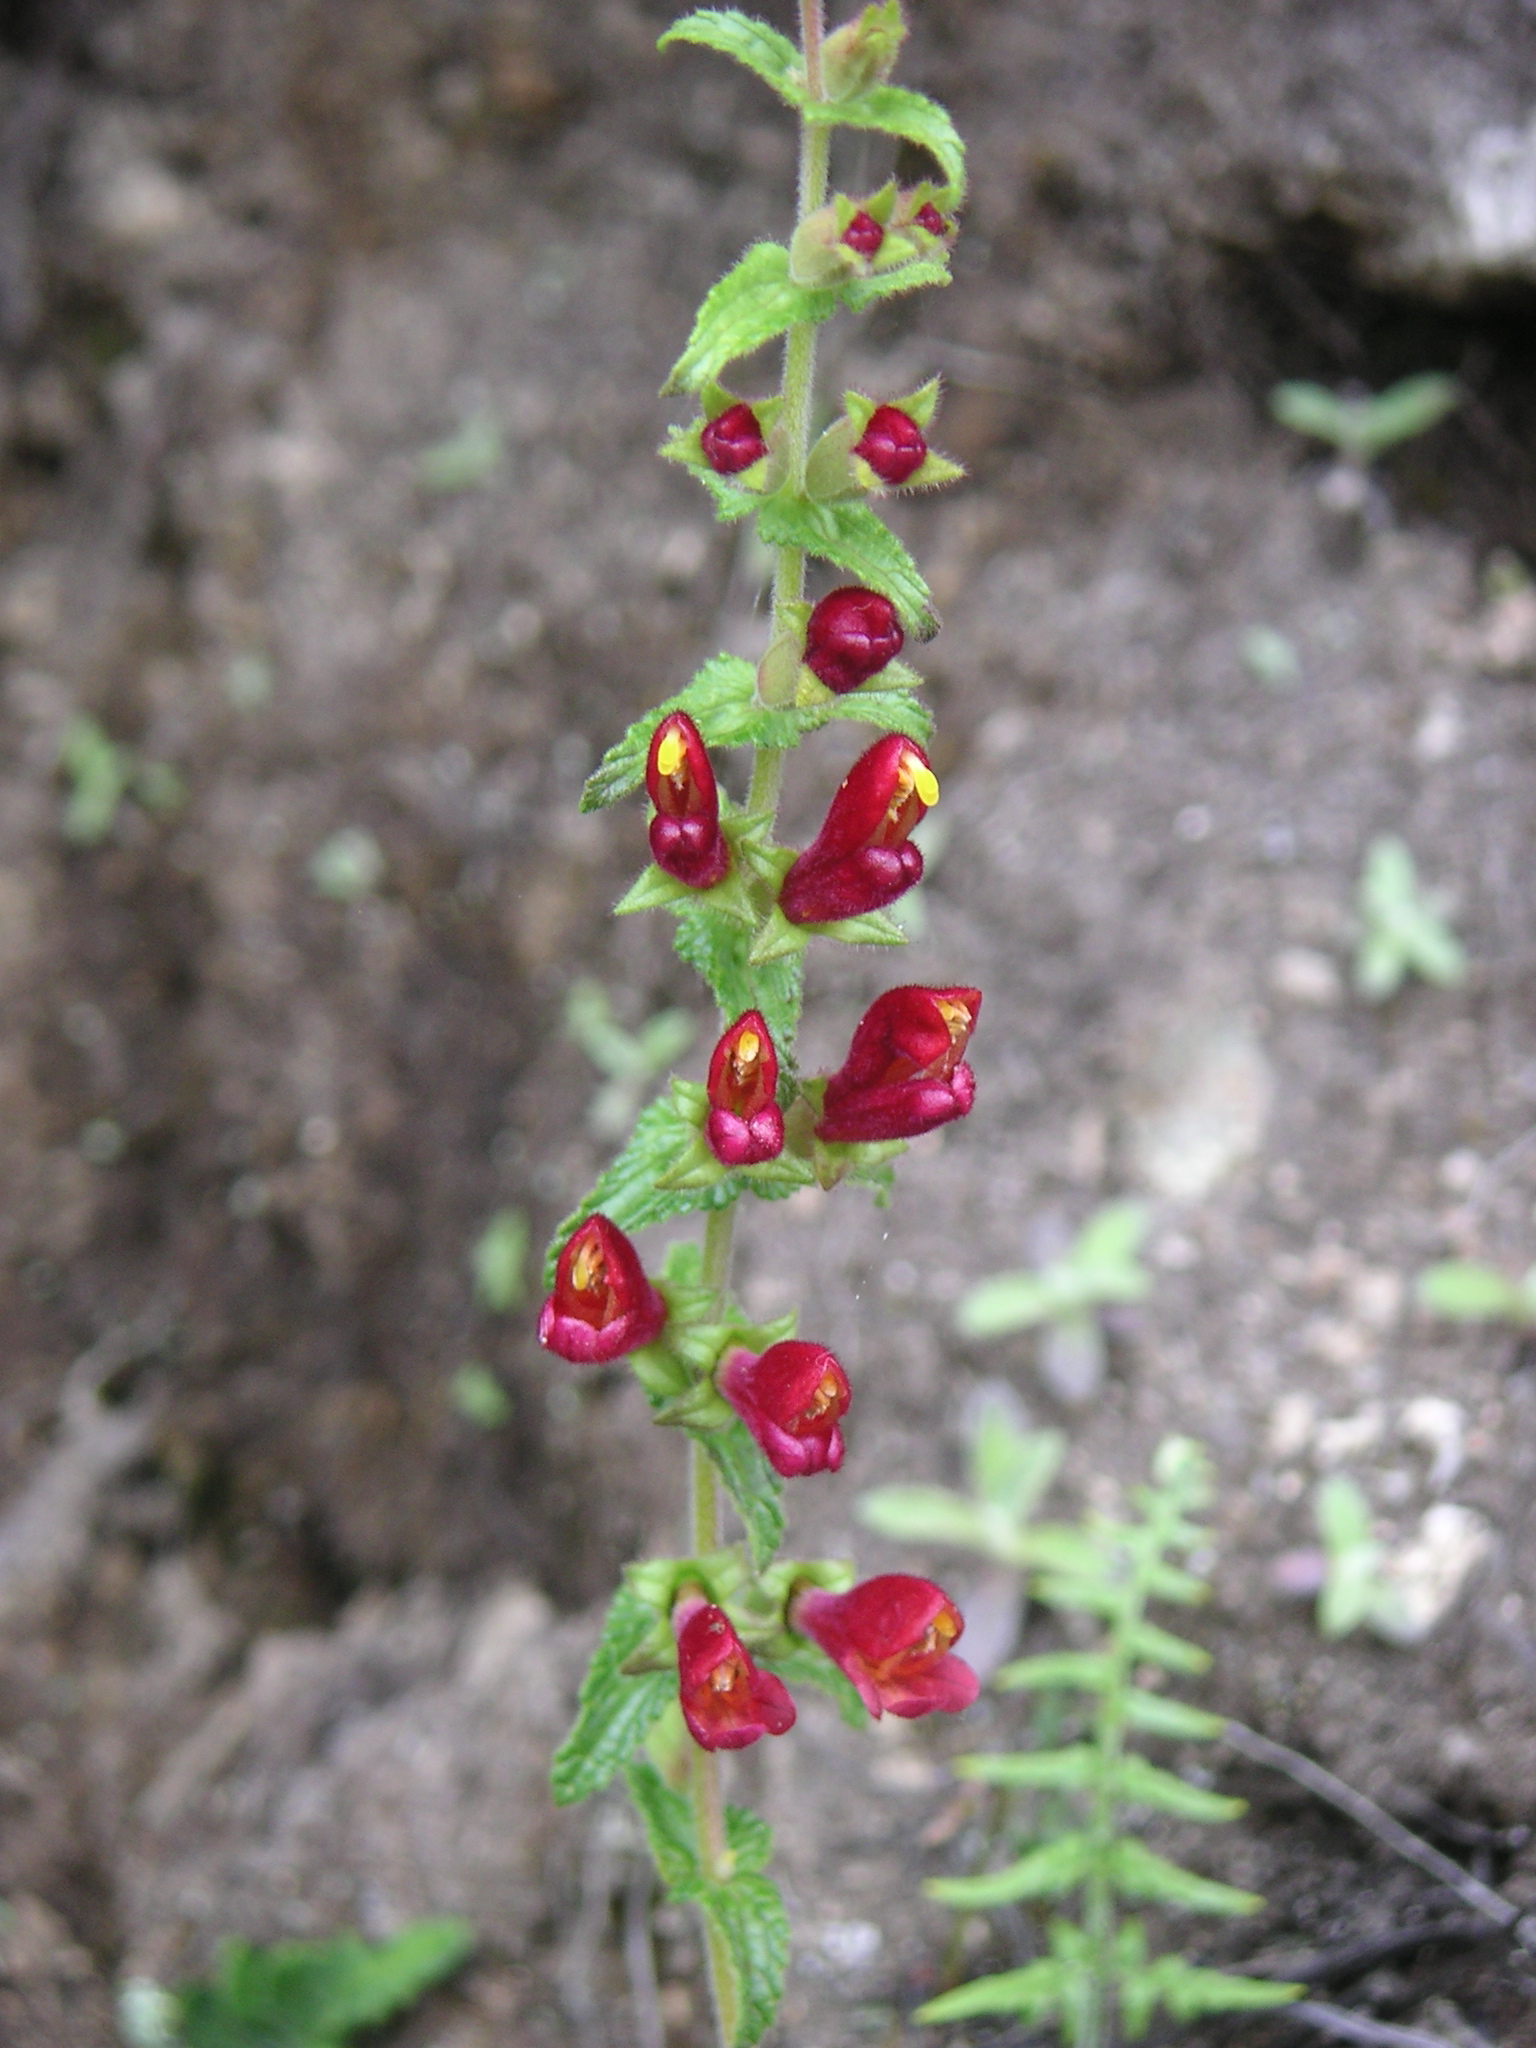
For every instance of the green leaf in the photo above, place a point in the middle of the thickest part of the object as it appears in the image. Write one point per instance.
(923, 1514)
(860, 293)
(1141, 1874)
(1012, 1468)
(653, 889)
(750, 1840)
(1343, 1513)
(858, 540)
(871, 928)
(720, 697)
(1045, 1873)
(1140, 1783)
(615, 1711)
(1155, 1715)
(910, 116)
(1033, 1993)
(1005, 1303)
(755, 1488)
(1081, 1670)
(99, 772)
(718, 949)
(762, 49)
(748, 1917)
(1150, 1644)
(1312, 409)
(1466, 1292)
(1189, 1993)
(799, 1662)
(1074, 1769)
(500, 1262)
(480, 1397)
(1105, 1254)
(1405, 410)
(627, 1193)
(752, 304)
(465, 460)
(668, 1820)
(317, 1994)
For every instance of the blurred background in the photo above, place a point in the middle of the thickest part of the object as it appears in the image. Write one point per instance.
(334, 554)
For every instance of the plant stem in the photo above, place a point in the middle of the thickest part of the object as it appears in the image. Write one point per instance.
(1098, 2026)
(704, 1788)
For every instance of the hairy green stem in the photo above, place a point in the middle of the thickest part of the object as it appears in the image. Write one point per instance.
(1099, 2019)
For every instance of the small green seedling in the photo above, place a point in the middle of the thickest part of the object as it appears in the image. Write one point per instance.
(298, 1994)
(500, 1261)
(1362, 427)
(1099, 1981)
(465, 460)
(348, 866)
(1356, 1587)
(1463, 1291)
(631, 1060)
(1403, 926)
(98, 772)
(1011, 1468)
(480, 1397)
(1102, 1266)
(1270, 658)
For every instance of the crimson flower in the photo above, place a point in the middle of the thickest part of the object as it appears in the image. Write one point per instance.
(602, 1305)
(891, 1636)
(685, 835)
(791, 1397)
(732, 441)
(864, 234)
(861, 858)
(905, 1072)
(726, 1701)
(928, 216)
(852, 633)
(745, 1124)
(892, 445)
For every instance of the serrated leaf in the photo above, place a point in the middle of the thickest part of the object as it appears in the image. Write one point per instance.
(753, 1485)
(858, 540)
(1074, 1769)
(652, 889)
(1189, 1993)
(910, 116)
(751, 42)
(748, 1916)
(1033, 1993)
(668, 1821)
(719, 951)
(860, 293)
(1155, 1715)
(871, 928)
(801, 1663)
(1139, 1873)
(626, 1193)
(752, 304)
(1140, 1783)
(1045, 1873)
(750, 1840)
(614, 1711)
(1150, 1644)
(1464, 1291)
(317, 1994)
(718, 699)
(1080, 1670)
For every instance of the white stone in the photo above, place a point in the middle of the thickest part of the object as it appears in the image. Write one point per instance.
(1440, 1426)
(1303, 975)
(1428, 1572)
(1217, 1092)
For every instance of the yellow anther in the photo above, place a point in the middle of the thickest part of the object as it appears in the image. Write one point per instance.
(671, 754)
(957, 1018)
(926, 783)
(748, 1047)
(588, 1268)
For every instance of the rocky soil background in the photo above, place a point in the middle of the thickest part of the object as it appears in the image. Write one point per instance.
(288, 1638)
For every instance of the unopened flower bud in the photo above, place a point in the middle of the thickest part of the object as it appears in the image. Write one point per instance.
(861, 859)
(792, 1398)
(892, 445)
(929, 217)
(686, 840)
(862, 52)
(892, 1637)
(745, 1124)
(732, 441)
(726, 1701)
(851, 635)
(905, 1072)
(863, 235)
(602, 1305)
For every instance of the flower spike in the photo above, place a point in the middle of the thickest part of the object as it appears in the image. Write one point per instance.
(726, 1701)
(602, 1305)
(686, 840)
(905, 1072)
(852, 634)
(792, 1398)
(892, 1637)
(862, 859)
(745, 1124)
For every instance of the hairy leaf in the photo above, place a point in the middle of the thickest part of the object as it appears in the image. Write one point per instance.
(862, 292)
(626, 1193)
(1139, 1873)
(1144, 1784)
(909, 115)
(748, 1916)
(615, 1711)
(753, 303)
(1189, 1993)
(753, 43)
(856, 539)
(719, 700)
(317, 1994)
(668, 1820)
(753, 1485)
(719, 950)
(1155, 1715)
(1045, 1873)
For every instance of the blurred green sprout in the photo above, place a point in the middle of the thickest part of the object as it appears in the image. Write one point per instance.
(1269, 657)
(1464, 1291)
(100, 773)
(1362, 427)
(1011, 1468)
(479, 1396)
(1356, 1588)
(465, 460)
(500, 1261)
(1101, 1267)
(631, 1061)
(348, 866)
(1403, 926)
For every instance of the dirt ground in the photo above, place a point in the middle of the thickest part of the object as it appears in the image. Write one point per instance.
(287, 1637)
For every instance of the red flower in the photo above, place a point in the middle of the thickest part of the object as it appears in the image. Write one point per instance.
(602, 1305)
(864, 234)
(861, 860)
(685, 835)
(726, 1701)
(928, 216)
(732, 441)
(791, 1397)
(892, 445)
(851, 635)
(891, 1637)
(905, 1072)
(745, 1124)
